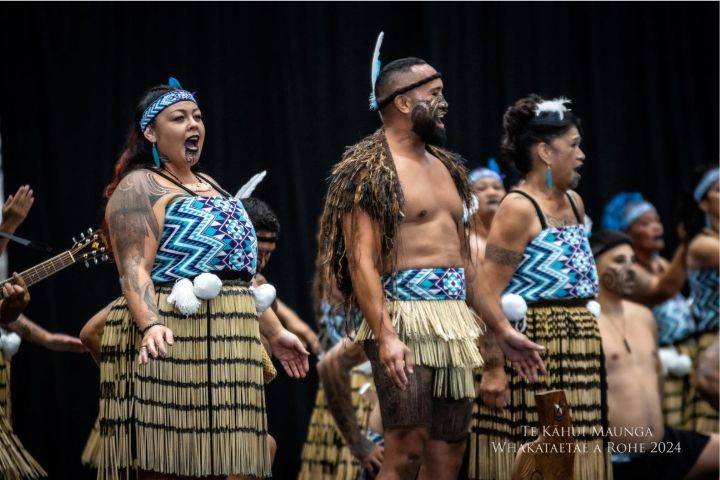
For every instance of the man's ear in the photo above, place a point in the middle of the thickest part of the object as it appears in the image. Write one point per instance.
(402, 103)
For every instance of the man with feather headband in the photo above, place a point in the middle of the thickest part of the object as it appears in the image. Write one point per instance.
(392, 239)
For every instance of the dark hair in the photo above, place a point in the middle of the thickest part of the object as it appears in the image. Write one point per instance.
(137, 152)
(519, 133)
(604, 240)
(261, 215)
(689, 213)
(386, 82)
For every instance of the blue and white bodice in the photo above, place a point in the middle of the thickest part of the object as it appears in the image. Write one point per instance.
(704, 285)
(557, 265)
(205, 234)
(674, 320)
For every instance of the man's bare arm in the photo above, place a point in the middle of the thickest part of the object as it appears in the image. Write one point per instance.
(362, 240)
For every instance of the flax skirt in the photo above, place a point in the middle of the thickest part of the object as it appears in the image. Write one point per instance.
(442, 335)
(575, 363)
(199, 412)
(700, 416)
(676, 390)
(15, 461)
(325, 455)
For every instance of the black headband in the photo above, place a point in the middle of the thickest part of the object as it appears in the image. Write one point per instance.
(605, 240)
(266, 239)
(401, 90)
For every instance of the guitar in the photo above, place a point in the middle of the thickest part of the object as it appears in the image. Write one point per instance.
(90, 250)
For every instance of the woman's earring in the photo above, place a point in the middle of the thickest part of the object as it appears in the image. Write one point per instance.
(156, 156)
(549, 178)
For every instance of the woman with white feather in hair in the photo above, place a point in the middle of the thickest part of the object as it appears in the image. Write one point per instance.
(538, 255)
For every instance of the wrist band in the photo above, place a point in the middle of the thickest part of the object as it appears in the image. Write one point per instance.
(147, 327)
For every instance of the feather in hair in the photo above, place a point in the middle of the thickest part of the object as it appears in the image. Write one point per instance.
(556, 105)
(375, 70)
(247, 189)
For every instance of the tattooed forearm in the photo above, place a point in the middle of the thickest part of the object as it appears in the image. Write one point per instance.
(490, 350)
(335, 377)
(147, 295)
(27, 329)
(503, 256)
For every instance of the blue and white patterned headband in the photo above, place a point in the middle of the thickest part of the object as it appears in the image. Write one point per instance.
(483, 172)
(635, 211)
(164, 101)
(707, 181)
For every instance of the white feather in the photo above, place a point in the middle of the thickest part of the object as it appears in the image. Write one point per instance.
(247, 189)
(556, 105)
(375, 68)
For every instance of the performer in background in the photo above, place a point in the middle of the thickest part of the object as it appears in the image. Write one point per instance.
(642, 445)
(657, 286)
(191, 402)
(15, 461)
(538, 251)
(700, 214)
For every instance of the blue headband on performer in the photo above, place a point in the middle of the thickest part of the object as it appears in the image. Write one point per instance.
(164, 101)
(707, 181)
(492, 171)
(622, 211)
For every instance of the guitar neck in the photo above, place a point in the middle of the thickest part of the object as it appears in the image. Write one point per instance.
(33, 275)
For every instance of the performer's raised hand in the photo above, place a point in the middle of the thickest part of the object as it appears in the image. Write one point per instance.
(287, 348)
(17, 206)
(395, 358)
(523, 353)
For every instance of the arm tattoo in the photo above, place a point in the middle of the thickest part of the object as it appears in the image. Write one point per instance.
(27, 329)
(338, 394)
(130, 214)
(147, 296)
(490, 350)
(503, 256)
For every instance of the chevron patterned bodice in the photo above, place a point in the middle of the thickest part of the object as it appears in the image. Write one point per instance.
(557, 265)
(425, 284)
(205, 234)
(704, 291)
(674, 320)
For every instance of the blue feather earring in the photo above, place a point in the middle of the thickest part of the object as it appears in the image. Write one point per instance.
(549, 178)
(156, 156)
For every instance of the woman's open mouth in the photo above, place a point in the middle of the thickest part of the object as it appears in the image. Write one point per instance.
(192, 143)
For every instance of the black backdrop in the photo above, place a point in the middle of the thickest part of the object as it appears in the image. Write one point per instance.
(284, 87)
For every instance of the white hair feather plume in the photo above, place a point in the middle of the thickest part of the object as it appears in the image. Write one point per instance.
(556, 105)
(375, 70)
(247, 189)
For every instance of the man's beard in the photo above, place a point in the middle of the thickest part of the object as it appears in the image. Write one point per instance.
(423, 123)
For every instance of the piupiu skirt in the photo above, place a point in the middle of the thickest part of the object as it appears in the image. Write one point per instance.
(325, 455)
(700, 416)
(201, 410)
(574, 361)
(15, 461)
(676, 390)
